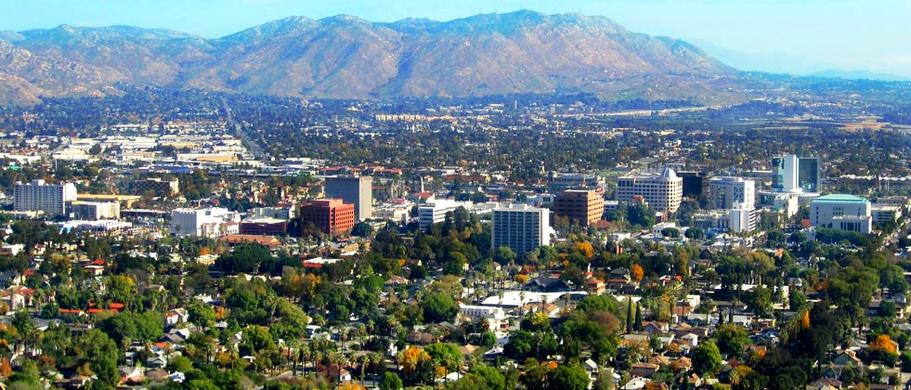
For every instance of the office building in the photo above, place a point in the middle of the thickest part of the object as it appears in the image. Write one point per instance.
(844, 212)
(737, 220)
(581, 207)
(264, 226)
(886, 213)
(356, 190)
(435, 211)
(40, 196)
(795, 174)
(205, 222)
(94, 211)
(692, 183)
(157, 187)
(565, 181)
(662, 191)
(520, 227)
(742, 219)
(330, 216)
(725, 192)
(285, 213)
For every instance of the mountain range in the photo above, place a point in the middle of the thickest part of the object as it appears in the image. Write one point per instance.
(348, 57)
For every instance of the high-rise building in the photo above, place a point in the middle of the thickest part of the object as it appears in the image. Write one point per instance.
(330, 216)
(692, 183)
(844, 212)
(580, 206)
(520, 227)
(742, 219)
(40, 196)
(795, 174)
(663, 190)
(726, 192)
(357, 190)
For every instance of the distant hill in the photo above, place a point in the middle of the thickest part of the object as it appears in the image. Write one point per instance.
(859, 75)
(348, 57)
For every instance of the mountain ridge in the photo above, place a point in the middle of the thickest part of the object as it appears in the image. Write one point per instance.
(344, 56)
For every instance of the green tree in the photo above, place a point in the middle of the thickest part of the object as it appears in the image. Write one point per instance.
(362, 229)
(731, 339)
(391, 381)
(201, 315)
(504, 255)
(445, 355)
(706, 358)
(439, 307)
(99, 353)
(569, 377)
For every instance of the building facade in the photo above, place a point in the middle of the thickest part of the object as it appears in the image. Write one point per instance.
(435, 211)
(264, 226)
(692, 183)
(728, 192)
(94, 211)
(520, 227)
(330, 216)
(156, 186)
(565, 181)
(663, 190)
(204, 222)
(40, 196)
(795, 174)
(356, 190)
(844, 212)
(581, 207)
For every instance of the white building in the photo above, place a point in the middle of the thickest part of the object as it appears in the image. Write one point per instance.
(435, 211)
(40, 196)
(725, 191)
(94, 211)
(494, 315)
(742, 219)
(844, 212)
(206, 222)
(787, 204)
(737, 220)
(663, 190)
(520, 227)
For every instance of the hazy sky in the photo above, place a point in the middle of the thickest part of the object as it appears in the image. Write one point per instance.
(796, 36)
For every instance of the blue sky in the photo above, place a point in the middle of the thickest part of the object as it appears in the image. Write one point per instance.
(796, 36)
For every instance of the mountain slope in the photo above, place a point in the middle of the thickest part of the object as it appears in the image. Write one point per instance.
(348, 57)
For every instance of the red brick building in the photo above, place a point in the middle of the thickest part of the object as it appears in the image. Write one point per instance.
(330, 216)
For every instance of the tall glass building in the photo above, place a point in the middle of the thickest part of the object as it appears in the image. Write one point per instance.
(795, 174)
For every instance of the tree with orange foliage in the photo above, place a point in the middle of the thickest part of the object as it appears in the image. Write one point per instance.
(522, 278)
(417, 366)
(6, 369)
(637, 272)
(351, 386)
(586, 248)
(805, 320)
(884, 344)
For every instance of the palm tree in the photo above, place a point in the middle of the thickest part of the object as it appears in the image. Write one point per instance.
(304, 355)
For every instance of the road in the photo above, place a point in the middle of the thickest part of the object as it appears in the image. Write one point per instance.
(255, 149)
